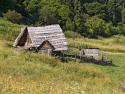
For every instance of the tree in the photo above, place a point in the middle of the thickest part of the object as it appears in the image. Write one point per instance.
(113, 11)
(123, 14)
(95, 8)
(78, 18)
(6, 4)
(48, 16)
(97, 27)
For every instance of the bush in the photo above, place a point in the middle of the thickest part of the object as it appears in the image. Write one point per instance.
(71, 34)
(13, 16)
(114, 30)
(122, 28)
(119, 29)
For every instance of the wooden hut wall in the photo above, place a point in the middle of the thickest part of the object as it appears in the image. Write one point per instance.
(28, 41)
(91, 51)
(95, 53)
(46, 47)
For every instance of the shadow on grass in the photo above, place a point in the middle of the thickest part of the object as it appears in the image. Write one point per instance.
(113, 65)
(9, 45)
(67, 58)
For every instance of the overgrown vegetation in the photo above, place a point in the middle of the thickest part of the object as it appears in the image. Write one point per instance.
(24, 72)
(113, 44)
(13, 16)
(8, 30)
(91, 18)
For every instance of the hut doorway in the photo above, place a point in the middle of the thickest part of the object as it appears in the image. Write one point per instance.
(46, 47)
(23, 38)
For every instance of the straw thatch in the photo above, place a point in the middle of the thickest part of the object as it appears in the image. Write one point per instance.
(35, 36)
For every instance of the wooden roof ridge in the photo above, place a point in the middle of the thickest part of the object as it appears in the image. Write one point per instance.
(43, 26)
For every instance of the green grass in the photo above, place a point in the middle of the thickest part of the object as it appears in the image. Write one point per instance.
(117, 71)
(8, 30)
(30, 73)
(25, 72)
(113, 44)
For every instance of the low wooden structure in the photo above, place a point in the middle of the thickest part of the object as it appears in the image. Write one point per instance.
(46, 39)
(92, 55)
(92, 52)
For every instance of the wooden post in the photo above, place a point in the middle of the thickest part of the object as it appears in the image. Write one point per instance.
(75, 58)
(63, 56)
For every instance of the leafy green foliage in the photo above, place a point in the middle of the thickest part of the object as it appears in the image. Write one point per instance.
(8, 30)
(45, 74)
(72, 15)
(123, 15)
(6, 4)
(97, 27)
(71, 34)
(95, 8)
(13, 16)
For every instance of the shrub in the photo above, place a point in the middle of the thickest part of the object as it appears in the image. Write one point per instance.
(13, 16)
(71, 34)
(114, 30)
(119, 29)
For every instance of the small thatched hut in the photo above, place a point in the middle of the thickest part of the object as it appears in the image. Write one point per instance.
(46, 39)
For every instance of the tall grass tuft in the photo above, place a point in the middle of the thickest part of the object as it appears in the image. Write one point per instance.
(114, 44)
(8, 30)
(25, 72)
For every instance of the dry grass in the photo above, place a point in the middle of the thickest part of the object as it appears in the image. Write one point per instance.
(30, 73)
(114, 44)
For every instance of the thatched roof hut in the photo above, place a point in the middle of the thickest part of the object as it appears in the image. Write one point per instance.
(51, 35)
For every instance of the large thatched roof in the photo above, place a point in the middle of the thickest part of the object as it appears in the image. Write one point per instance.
(51, 33)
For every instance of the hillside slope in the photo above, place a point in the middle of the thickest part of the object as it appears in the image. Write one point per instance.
(8, 30)
(31, 73)
(24, 72)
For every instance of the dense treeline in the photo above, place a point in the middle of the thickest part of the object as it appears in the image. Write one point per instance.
(88, 17)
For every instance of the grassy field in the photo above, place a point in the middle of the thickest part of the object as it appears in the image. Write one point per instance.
(8, 30)
(30, 73)
(24, 72)
(113, 44)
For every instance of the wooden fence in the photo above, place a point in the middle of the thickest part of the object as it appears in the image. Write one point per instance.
(83, 59)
